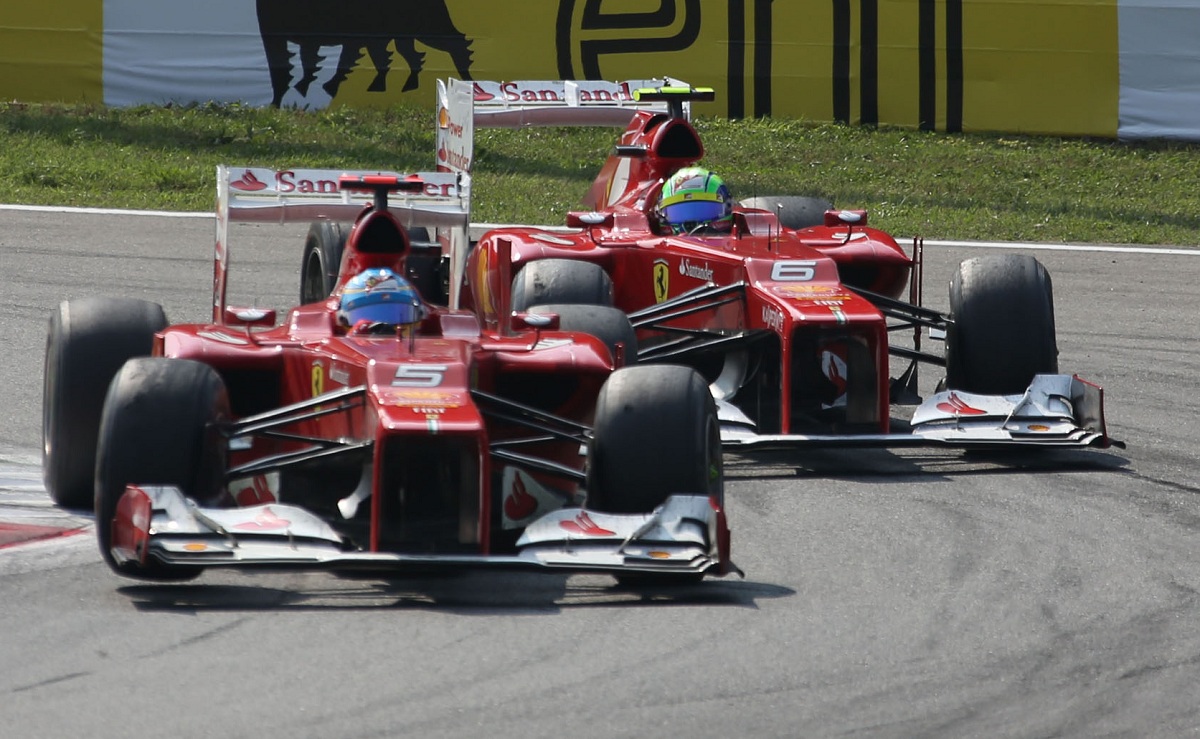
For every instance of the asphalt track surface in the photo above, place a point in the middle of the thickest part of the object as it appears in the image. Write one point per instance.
(910, 594)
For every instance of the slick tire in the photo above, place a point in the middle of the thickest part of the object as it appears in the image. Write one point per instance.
(558, 281)
(655, 434)
(161, 426)
(87, 341)
(323, 249)
(794, 211)
(1002, 334)
(610, 325)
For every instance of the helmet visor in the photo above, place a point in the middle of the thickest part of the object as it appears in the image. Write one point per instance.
(385, 312)
(693, 211)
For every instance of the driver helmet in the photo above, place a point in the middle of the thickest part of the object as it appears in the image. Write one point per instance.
(694, 198)
(379, 296)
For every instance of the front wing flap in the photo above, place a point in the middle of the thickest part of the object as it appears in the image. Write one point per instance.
(1055, 411)
(686, 535)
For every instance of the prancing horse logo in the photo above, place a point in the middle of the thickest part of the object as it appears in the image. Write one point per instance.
(662, 280)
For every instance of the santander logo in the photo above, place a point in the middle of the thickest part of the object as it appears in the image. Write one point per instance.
(583, 524)
(958, 407)
(265, 521)
(482, 95)
(519, 504)
(248, 182)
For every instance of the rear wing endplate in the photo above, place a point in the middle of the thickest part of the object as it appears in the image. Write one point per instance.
(265, 195)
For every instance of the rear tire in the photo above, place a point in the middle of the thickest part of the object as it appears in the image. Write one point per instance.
(1003, 325)
(610, 325)
(323, 248)
(655, 434)
(87, 342)
(794, 211)
(161, 426)
(548, 281)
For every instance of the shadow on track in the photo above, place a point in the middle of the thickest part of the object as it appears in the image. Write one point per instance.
(464, 594)
(883, 465)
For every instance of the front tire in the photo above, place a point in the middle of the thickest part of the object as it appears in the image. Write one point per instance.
(655, 434)
(87, 342)
(161, 426)
(1002, 331)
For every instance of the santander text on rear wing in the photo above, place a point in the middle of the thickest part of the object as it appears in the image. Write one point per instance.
(464, 105)
(265, 195)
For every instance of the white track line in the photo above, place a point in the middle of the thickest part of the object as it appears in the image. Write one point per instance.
(1110, 248)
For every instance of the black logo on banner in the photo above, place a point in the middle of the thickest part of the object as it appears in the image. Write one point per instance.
(926, 59)
(586, 35)
(355, 26)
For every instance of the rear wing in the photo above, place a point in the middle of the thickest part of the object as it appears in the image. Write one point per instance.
(264, 195)
(463, 106)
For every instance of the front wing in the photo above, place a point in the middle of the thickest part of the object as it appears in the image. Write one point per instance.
(1055, 411)
(686, 535)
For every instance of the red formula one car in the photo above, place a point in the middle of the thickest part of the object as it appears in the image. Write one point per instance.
(787, 310)
(411, 439)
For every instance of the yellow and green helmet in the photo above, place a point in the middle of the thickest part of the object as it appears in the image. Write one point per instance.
(695, 198)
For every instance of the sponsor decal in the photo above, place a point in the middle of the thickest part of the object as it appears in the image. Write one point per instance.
(808, 292)
(524, 498)
(583, 524)
(318, 379)
(222, 337)
(552, 343)
(691, 269)
(423, 399)
(835, 369)
(340, 375)
(310, 182)
(773, 317)
(248, 183)
(519, 505)
(454, 159)
(552, 239)
(662, 280)
(266, 520)
(958, 407)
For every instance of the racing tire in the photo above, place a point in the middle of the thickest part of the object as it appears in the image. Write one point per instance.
(323, 248)
(87, 341)
(655, 434)
(610, 325)
(161, 426)
(794, 211)
(1002, 331)
(561, 281)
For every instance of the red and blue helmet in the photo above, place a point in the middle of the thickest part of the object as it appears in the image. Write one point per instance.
(695, 198)
(380, 296)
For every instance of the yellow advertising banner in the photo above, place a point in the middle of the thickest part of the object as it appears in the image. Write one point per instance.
(1033, 66)
(51, 50)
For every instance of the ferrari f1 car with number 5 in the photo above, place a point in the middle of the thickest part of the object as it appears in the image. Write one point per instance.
(790, 309)
(372, 430)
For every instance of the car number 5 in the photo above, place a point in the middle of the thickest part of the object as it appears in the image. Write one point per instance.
(419, 375)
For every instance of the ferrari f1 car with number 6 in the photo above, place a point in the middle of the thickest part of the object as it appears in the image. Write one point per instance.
(787, 306)
(372, 430)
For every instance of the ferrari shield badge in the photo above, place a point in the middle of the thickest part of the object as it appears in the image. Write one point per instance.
(662, 279)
